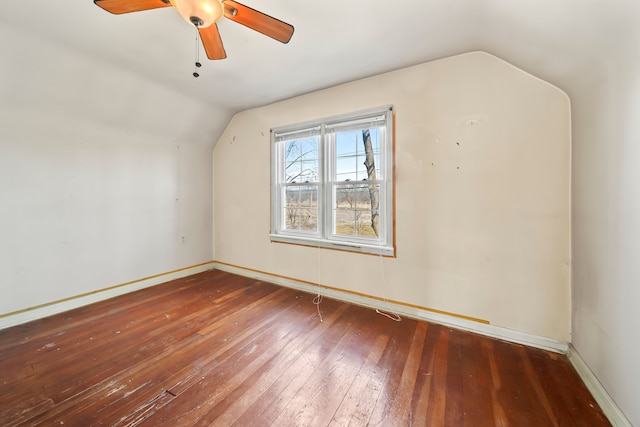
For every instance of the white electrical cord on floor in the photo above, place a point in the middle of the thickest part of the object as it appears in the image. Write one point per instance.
(317, 300)
(389, 313)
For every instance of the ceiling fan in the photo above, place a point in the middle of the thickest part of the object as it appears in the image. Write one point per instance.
(203, 14)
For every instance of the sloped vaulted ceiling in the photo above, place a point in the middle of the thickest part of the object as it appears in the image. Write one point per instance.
(567, 43)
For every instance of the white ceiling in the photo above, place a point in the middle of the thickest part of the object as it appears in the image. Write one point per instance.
(566, 42)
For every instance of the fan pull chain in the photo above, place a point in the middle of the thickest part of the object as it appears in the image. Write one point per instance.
(198, 64)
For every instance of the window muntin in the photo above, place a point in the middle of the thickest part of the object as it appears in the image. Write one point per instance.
(301, 160)
(301, 208)
(331, 183)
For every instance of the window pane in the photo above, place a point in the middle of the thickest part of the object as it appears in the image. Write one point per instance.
(301, 160)
(300, 211)
(353, 213)
(349, 156)
(352, 148)
(331, 182)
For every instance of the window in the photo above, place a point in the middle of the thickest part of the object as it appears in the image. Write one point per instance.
(332, 182)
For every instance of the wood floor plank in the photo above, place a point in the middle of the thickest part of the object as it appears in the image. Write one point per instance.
(142, 412)
(475, 373)
(400, 414)
(495, 385)
(254, 389)
(60, 352)
(353, 410)
(145, 378)
(221, 349)
(23, 411)
(210, 390)
(328, 368)
(528, 370)
(568, 397)
(330, 392)
(454, 404)
(393, 359)
(422, 392)
(230, 370)
(517, 392)
(205, 360)
(439, 392)
(285, 385)
(143, 354)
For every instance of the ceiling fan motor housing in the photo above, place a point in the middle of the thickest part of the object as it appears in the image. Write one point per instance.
(196, 21)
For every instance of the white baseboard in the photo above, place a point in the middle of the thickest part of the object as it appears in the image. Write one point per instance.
(404, 310)
(40, 312)
(599, 393)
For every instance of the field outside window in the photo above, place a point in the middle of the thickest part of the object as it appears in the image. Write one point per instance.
(331, 183)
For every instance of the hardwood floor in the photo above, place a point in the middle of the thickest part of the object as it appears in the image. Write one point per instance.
(216, 349)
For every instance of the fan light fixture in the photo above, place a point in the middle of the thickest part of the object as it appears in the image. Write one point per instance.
(201, 13)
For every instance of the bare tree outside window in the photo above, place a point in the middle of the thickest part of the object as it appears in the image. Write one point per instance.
(301, 161)
(301, 167)
(374, 193)
(301, 209)
(332, 183)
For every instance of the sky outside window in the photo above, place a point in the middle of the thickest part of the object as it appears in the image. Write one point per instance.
(350, 155)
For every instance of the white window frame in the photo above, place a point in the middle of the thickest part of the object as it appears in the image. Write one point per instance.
(325, 237)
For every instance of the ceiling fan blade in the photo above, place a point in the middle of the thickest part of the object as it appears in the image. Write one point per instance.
(258, 21)
(212, 42)
(126, 6)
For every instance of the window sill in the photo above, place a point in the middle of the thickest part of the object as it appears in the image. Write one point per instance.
(386, 251)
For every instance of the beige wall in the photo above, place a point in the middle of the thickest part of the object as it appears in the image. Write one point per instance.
(101, 174)
(606, 225)
(482, 193)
